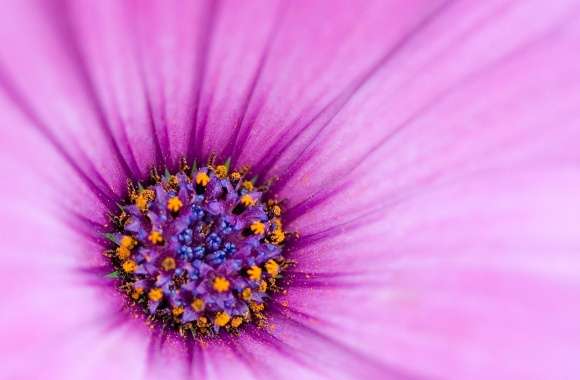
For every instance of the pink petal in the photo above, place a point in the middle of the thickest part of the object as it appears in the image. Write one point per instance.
(457, 155)
(53, 324)
(453, 214)
(466, 291)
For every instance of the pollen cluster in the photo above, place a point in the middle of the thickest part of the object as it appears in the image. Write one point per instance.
(199, 251)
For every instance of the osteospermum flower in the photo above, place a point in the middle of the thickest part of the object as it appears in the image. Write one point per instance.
(287, 190)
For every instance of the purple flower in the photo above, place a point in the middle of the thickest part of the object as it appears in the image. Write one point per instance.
(423, 157)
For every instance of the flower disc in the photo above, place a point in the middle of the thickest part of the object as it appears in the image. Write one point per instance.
(200, 250)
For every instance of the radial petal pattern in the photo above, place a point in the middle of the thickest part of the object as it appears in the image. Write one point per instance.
(427, 153)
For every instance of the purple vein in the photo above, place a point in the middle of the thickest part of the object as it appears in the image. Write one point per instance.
(331, 110)
(207, 27)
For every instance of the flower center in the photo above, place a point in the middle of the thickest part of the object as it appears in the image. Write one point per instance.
(199, 251)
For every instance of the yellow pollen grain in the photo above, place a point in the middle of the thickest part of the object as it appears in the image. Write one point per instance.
(258, 228)
(143, 198)
(272, 267)
(277, 236)
(129, 266)
(263, 286)
(155, 237)
(123, 253)
(276, 210)
(256, 307)
(155, 294)
(148, 194)
(247, 200)
(248, 185)
(235, 176)
(221, 171)
(173, 181)
(168, 263)
(174, 204)
(221, 285)
(177, 311)
(246, 294)
(137, 293)
(197, 305)
(255, 273)
(202, 178)
(202, 322)
(221, 319)
(236, 322)
(141, 202)
(127, 242)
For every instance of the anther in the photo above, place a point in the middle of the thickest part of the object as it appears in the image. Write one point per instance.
(174, 204)
(155, 294)
(221, 285)
(155, 237)
(129, 266)
(258, 228)
(202, 178)
(255, 273)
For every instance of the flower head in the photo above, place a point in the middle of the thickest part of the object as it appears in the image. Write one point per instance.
(305, 189)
